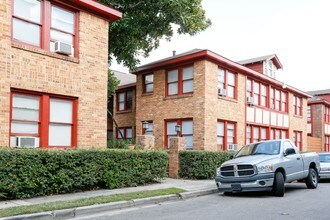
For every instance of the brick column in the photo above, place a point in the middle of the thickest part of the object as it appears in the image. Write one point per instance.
(145, 142)
(177, 144)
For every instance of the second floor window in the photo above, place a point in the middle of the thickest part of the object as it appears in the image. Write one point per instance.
(124, 101)
(148, 83)
(30, 27)
(327, 114)
(297, 101)
(180, 81)
(278, 100)
(309, 114)
(227, 81)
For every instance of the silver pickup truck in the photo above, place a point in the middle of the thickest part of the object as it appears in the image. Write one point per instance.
(267, 166)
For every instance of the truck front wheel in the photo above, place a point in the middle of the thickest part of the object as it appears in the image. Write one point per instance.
(278, 187)
(312, 179)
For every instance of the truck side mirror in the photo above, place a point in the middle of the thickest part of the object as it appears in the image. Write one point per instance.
(231, 157)
(289, 151)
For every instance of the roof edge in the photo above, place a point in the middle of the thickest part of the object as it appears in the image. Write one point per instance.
(216, 58)
(98, 8)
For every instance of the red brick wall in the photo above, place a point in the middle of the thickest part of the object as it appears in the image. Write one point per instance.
(256, 66)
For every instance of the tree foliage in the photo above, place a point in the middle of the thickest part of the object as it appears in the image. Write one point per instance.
(146, 22)
(113, 83)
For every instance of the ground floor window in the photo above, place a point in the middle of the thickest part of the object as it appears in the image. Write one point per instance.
(255, 134)
(226, 134)
(276, 133)
(297, 137)
(186, 131)
(327, 143)
(43, 120)
(125, 133)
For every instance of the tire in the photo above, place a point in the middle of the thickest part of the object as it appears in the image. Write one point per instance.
(312, 179)
(278, 186)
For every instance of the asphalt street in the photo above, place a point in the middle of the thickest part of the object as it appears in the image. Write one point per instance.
(297, 203)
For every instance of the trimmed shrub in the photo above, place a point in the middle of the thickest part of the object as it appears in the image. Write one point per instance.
(119, 144)
(197, 164)
(26, 173)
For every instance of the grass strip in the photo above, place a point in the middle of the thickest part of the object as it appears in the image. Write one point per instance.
(28, 209)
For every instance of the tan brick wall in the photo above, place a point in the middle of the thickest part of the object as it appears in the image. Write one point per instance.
(42, 71)
(298, 123)
(314, 144)
(223, 108)
(157, 107)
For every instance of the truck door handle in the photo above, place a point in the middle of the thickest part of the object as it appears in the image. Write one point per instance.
(298, 158)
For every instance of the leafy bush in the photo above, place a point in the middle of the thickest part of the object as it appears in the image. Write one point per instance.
(119, 144)
(200, 164)
(27, 173)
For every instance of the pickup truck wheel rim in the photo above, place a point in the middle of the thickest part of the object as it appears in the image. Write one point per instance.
(314, 178)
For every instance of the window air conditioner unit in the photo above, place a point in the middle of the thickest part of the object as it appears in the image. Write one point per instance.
(249, 100)
(63, 48)
(24, 142)
(222, 92)
(232, 147)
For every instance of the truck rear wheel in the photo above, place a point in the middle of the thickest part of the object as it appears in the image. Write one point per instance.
(312, 179)
(278, 186)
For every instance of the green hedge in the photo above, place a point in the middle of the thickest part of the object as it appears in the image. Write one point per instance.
(28, 173)
(200, 164)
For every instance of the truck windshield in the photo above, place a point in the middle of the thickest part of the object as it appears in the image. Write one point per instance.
(267, 148)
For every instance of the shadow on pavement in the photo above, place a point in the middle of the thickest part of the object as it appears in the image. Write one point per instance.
(289, 188)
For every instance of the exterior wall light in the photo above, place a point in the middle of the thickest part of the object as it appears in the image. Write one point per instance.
(177, 129)
(145, 126)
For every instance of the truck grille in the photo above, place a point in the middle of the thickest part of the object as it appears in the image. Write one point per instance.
(237, 170)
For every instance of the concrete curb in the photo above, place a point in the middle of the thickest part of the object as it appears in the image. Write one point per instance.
(188, 195)
(81, 211)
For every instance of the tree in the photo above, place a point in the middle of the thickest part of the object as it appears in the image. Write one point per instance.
(113, 83)
(146, 22)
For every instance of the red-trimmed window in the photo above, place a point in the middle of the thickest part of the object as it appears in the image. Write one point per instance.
(40, 23)
(327, 114)
(258, 91)
(278, 100)
(150, 130)
(309, 113)
(148, 83)
(327, 143)
(124, 100)
(125, 133)
(180, 81)
(187, 128)
(297, 101)
(60, 122)
(227, 81)
(50, 118)
(276, 133)
(226, 134)
(255, 134)
(297, 137)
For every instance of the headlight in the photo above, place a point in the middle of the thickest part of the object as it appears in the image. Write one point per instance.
(218, 171)
(265, 168)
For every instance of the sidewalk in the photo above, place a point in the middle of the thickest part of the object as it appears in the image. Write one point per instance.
(193, 188)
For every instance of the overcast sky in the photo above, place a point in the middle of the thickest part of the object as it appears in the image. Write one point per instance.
(298, 31)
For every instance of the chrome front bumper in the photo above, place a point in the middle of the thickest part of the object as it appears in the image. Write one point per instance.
(259, 182)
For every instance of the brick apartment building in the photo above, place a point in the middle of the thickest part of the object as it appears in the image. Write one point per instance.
(318, 119)
(53, 72)
(219, 104)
